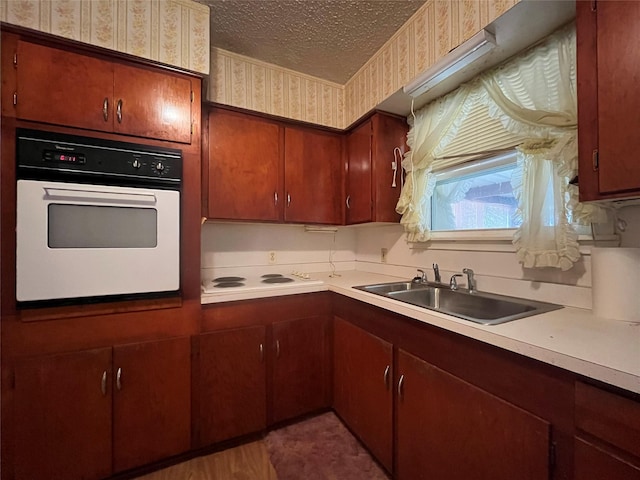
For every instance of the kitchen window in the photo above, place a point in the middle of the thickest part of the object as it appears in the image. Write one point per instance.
(522, 113)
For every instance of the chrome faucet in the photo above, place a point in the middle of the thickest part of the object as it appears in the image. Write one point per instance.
(471, 283)
(436, 272)
(453, 284)
(423, 276)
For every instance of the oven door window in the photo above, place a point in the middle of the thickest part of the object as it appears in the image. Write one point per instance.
(93, 226)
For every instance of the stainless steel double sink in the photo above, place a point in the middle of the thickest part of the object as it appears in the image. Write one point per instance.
(478, 307)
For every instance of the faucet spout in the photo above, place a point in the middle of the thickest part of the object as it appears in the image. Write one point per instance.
(436, 273)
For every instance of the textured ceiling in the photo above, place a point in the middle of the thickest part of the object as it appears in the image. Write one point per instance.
(329, 39)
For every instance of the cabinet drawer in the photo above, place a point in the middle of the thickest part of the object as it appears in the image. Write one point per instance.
(610, 417)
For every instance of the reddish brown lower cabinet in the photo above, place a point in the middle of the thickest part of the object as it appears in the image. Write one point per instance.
(450, 429)
(362, 387)
(152, 400)
(87, 414)
(62, 416)
(232, 384)
(595, 463)
(300, 382)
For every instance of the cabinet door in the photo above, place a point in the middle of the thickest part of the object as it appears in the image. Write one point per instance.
(232, 384)
(300, 367)
(593, 463)
(62, 416)
(447, 428)
(152, 104)
(63, 88)
(313, 179)
(389, 133)
(362, 394)
(244, 168)
(151, 407)
(358, 183)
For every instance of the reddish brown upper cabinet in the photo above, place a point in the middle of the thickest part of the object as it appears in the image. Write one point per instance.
(608, 100)
(232, 384)
(448, 428)
(363, 387)
(374, 170)
(313, 176)
(244, 168)
(75, 90)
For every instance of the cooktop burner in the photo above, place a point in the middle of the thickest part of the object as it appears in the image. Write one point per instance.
(229, 279)
(272, 275)
(280, 279)
(228, 284)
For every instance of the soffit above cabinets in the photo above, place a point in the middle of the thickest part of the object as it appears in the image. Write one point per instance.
(328, 39)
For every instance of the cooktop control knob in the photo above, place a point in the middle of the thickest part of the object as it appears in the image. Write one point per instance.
(136, 164)
(159, 167)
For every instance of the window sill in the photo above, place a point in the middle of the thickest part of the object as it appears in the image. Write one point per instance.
(496, 240)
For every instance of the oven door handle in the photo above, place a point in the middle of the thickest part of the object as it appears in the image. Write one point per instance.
(99, 196)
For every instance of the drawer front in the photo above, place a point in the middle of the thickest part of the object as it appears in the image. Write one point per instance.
(610, 417)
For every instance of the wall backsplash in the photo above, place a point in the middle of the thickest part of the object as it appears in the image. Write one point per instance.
(175, 32)
(437, 27)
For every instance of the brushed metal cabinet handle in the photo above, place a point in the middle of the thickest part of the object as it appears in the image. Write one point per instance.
(348, 202)
(103, 383)
(277, 348)
(400, 384)
(261, 353)
(275, 198)
(105, 109)
(288, 199)
(386, 377)
(119, 379)
(119, 111)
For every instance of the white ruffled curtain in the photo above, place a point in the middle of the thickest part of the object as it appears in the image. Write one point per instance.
(534, 97)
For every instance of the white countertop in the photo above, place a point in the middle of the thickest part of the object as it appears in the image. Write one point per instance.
(570, 338)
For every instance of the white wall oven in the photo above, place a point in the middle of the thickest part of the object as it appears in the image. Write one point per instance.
(96, 220)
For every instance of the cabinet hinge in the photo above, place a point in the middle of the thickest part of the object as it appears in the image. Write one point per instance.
(191, 128)
(594, 5)
(15, 98)
(552, 456)
(193, 97)
(595, 160)
(15, 59)
(12, 380)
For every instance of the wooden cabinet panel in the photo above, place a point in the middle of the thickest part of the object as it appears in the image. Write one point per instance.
(151, 408)
(75, 90)
(244, 173)
(60, 87)
(300, 367)
(63, 416)
(151, 104)
(447, 428)
(358, 184)
(362, 393)
(593, 463)
(609, 104)
(232, 384)
(313, 176)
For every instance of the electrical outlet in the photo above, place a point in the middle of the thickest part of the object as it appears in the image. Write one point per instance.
(272, 258)
(383, 255)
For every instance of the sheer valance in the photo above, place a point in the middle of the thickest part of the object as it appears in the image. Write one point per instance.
(528, 103)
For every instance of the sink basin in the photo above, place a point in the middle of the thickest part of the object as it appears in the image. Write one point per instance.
(478, 307)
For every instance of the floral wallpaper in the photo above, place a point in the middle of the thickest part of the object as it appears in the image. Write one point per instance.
(175, 32)
(437, 27)
(248, 83)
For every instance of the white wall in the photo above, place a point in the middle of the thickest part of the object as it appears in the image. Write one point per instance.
(233, 248)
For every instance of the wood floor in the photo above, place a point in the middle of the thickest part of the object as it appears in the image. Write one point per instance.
(246, 462)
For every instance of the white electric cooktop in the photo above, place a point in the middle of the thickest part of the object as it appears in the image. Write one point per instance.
(228, 284)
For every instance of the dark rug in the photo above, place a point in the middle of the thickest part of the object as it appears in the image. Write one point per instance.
(320, 448)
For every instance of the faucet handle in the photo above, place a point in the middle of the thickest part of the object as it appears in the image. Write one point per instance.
(453, 284)
(423, 276)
